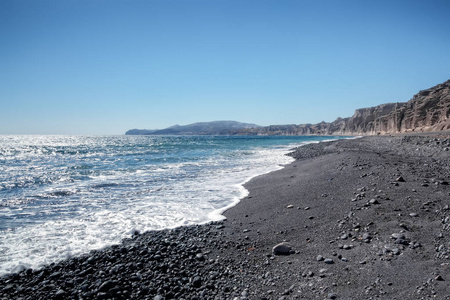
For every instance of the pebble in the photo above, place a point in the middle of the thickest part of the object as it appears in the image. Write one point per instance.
(397, 236)
(374, 201)
(106, 286)
(367, 237)
(166, 264)
(344, 236)
(328, 261)
(282, 249)
(197, 281)
(400, 179)
(332, 296)
(413, 215)
(396, 251)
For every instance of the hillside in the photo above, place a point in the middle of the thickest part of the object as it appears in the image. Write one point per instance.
(200, 128)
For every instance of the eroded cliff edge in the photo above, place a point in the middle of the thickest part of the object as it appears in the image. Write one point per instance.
(428, 110)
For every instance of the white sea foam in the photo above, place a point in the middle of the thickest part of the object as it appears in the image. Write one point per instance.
(113, 204)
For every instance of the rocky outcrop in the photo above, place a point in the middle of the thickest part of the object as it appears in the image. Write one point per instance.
(429, 110)
(364, 120)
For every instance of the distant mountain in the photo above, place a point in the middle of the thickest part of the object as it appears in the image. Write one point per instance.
(200, 128)
(139, 132)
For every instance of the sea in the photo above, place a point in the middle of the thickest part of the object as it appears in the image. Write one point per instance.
(63, 196)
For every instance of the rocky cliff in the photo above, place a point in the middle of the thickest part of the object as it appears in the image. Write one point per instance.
(429, 110)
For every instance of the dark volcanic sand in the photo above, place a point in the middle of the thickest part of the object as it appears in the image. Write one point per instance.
(366, 219)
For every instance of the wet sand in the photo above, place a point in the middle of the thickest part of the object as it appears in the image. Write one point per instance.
(363, 219)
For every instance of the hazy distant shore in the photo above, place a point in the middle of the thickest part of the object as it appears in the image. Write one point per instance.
(364, 218)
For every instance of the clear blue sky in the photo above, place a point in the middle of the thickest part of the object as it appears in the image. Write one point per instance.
(106, 66)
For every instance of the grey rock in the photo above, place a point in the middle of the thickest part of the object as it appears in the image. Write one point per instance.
(55, 275)
(374, 201)
(400, 179)
(60, 295)
(106, 286)
(397, 236)
(282, 249)
(366, 236)
(197, 281)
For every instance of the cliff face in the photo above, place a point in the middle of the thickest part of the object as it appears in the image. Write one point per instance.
(364, 120)
(429, 110)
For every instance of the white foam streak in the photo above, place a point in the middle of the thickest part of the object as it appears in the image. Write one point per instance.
(111, 206)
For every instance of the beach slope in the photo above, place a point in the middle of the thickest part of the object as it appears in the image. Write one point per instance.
(365, 218)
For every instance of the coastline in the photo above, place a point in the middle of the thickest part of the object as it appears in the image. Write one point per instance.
(218, 215)
(342, 200)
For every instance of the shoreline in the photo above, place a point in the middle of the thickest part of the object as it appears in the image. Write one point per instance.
(218, 214)
(210, 181)
(340, 201)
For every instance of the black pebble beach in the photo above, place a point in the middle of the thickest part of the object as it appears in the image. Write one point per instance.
(366, 218)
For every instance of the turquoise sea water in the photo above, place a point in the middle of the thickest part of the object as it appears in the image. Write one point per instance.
(66, 195)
